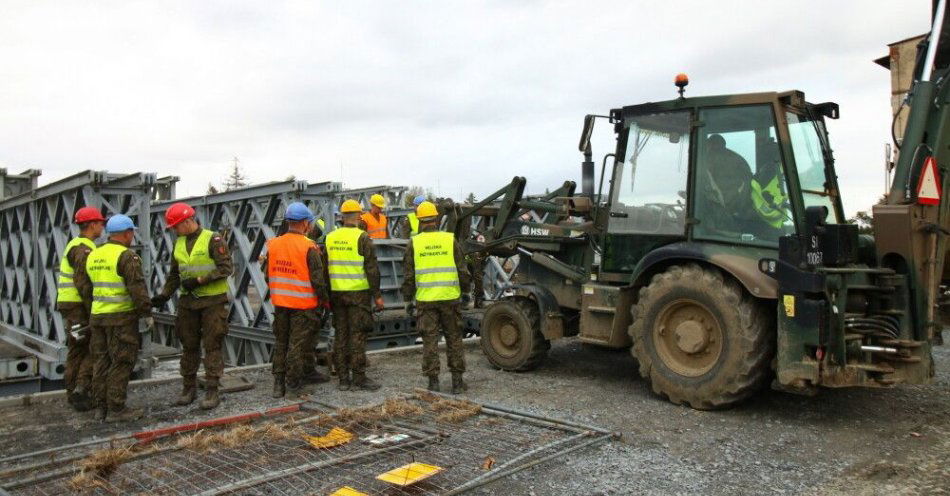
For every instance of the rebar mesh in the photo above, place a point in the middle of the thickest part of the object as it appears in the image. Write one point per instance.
(470, 444)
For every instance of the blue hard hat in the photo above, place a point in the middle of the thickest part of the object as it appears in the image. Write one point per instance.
(298, 211)
(418, 200)
(119, 223)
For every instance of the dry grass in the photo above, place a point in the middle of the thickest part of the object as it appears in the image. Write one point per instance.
(205, 441)
(97, 467)
(452, 411)
(391, 408)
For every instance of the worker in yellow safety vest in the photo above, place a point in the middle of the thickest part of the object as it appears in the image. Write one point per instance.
(71, 284)
(435, 279)
(409, 225)
(354, 291)
(200, 267)
(119, 300)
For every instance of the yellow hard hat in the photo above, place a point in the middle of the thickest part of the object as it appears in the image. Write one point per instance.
(378, 200)
(426, 210)
(350, 207)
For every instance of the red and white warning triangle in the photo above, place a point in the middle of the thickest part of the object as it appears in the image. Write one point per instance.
(928, 188)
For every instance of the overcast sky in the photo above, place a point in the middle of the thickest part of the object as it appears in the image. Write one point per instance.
(456, 96)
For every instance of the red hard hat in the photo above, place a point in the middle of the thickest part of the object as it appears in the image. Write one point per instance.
(177, 213)
(88, 214)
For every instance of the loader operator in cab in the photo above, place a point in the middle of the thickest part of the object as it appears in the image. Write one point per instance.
(729, 175)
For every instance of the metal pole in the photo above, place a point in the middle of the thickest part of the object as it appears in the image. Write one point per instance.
(573, 425)
(934, 41)
(468, 487)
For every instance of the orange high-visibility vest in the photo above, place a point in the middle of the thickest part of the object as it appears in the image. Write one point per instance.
(375, 228)
(288, 276)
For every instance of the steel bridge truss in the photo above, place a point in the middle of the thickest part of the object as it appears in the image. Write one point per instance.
(36, 224)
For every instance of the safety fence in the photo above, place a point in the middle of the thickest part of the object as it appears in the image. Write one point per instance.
(417, 444)
(35, 225)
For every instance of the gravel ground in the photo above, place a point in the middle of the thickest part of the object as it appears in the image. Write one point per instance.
(893, 441)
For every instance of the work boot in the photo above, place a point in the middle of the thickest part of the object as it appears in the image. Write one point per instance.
(458, 385)
(81, 401)
(315, 377)
(126, 414)
(434, 383)
(345, 383)
(188, 394)
(298, 390)
(280, 389)
(363, 383)
(211, 398)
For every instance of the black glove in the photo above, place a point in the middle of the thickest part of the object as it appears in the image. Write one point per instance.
(190, 284)
(411, 309)
(159, 300)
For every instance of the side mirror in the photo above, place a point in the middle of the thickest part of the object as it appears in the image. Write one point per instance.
(584, 145)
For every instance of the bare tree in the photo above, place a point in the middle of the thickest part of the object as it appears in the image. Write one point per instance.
(236, 179)
(470, 199)
(212, 190)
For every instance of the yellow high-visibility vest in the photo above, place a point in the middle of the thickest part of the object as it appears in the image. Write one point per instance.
(437, 278)
(771, 211)
(109, 294)
(345, 263)
(413, 224)
(198, 263)
(66, 291)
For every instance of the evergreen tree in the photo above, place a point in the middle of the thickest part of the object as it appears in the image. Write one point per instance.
(236, 178)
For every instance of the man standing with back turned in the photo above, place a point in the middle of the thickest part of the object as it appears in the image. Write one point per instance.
(297, 290)
(436, 276)
(119, 300)
(354, 288)
(200, 267)
(75, 309)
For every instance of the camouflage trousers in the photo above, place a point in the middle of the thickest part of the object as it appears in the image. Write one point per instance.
(79, 361)
(114, 349)
(476, 267)
(351, 324)
(197, 329)
(435, 320)
(293, 330)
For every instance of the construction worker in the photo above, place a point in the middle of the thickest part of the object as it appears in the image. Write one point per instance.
(119, 300)
(475, 262)
(200, 267)
(374, 219)
(354, 289)
(72, 281)
(298, 291)
(409, 225)
(435, 278)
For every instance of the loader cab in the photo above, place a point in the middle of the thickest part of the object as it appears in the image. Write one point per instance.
(725, 170)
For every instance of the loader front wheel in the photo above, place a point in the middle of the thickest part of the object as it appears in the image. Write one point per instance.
(700, 338)
(511, 334)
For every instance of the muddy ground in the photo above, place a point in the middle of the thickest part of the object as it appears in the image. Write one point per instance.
(894, 441)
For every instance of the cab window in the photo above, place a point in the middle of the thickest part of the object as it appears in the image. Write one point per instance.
(649, 186)
(740, 191)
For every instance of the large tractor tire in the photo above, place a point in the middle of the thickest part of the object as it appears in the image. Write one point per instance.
(511, 334)
(700, 338)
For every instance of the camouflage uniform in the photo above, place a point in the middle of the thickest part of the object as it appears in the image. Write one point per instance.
(293, 356)
(202, 321)
(353, 317)
(115, 339)
(438, 317)
(79, 360)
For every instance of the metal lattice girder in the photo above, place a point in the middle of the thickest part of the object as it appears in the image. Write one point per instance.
(17, 184)
(35, 227)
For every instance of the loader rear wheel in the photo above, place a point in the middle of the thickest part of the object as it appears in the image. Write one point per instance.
(700, 338)
(511, 334)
